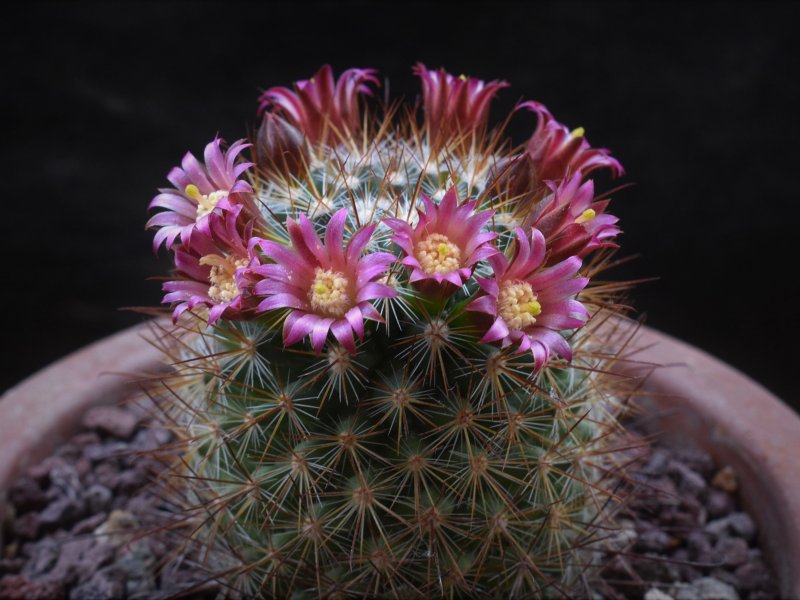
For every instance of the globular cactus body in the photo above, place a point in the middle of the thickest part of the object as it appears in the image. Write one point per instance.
(382, 370)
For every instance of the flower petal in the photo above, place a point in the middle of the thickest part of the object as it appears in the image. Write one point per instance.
(375, 290)
(557, 272)
(312, 242)
(497, 331)
(334, 239)
(343, 332)
(370, 312)
(358, 242)
(320, 333)
(485, 304)
(301, 327)
(355, 317)
(282, 301)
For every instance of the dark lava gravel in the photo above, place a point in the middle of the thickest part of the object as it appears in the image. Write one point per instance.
(683, 535)
(73, 526)
(74, 523)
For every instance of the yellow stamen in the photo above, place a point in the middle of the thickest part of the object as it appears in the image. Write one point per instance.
(578, 132)
(517, 305)
(586, 216)
(329, 293)
(223, 288)
(437, 254)
(205, 202)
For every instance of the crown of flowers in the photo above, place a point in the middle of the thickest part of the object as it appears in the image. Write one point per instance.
(343, 223)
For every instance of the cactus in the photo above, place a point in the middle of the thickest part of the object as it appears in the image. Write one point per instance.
(388, 366)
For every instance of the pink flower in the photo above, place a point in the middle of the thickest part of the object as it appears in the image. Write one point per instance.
(328, 287)
(455, 106)
(213, 269)
(557, 153)
(572, 222)
(447, 242)
(530, 304)
(199, 189)
(325, 110)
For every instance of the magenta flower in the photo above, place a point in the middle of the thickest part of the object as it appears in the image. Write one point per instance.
(447, 242)
(557, 153)
(213, 269)
(198, 190)
(572, 222)
(530, 304)
(325, 110)
(329, 287)
(455, 106)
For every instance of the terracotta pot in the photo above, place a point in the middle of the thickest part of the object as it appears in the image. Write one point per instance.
(44, 410)
(692, 399)
(695, 399)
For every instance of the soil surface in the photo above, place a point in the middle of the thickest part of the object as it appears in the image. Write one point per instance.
(684, 535)
(73, 526)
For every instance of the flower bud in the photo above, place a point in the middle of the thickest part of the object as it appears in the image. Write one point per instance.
(516, 180)
(280, 146)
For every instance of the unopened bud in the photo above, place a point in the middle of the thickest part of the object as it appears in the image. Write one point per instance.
(516, 180)
(281, 146)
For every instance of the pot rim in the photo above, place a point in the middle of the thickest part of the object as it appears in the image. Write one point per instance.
(33, 423)
(694, 399)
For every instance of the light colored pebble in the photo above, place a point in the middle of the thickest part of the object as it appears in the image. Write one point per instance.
(725, 479)
(705, 588)
(657, 594)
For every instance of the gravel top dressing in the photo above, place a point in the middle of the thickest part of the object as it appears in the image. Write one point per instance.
(74, 528)
(74, 522)
(684, 536)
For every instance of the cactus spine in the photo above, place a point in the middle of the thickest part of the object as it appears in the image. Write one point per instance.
(460, 444)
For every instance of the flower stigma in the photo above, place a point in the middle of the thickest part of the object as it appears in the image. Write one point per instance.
(437, 254)
(586, 216)
(517, 305)
(328, 294)
(205, 202)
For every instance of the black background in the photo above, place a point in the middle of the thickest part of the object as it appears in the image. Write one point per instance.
(698, 101)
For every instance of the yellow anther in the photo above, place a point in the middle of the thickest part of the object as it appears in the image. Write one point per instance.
(192, 191)
(586, 216)
(222, 278)
(462, 77)
(578, 132)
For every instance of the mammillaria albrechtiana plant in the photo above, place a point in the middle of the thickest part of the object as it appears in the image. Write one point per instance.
(388, 367)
